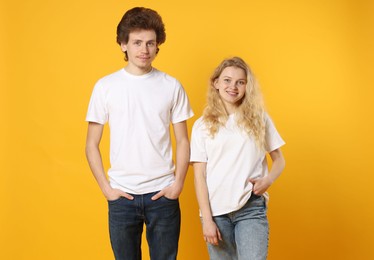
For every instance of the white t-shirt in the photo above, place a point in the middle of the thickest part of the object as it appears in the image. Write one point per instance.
(139, 110)
(232, 157)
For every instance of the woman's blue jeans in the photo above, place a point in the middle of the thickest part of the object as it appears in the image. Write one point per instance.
(162, 221)
(244, 233)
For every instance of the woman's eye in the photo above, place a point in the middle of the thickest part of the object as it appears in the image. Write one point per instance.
(241, 83)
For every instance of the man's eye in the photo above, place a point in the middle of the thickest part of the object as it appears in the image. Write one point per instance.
(151, 44)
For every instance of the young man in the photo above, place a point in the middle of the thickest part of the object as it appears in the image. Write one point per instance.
(139, 103)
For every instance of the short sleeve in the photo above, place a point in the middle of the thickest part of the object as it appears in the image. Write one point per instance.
(273, 139)
(181, 109)
(198, 137)
(97, 110)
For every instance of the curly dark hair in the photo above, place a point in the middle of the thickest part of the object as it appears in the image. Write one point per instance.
(140, 18)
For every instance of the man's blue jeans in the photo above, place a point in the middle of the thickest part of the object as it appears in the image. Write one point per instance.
(244, 233)
(162, 220)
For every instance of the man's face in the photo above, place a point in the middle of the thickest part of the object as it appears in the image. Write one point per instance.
(141, 51)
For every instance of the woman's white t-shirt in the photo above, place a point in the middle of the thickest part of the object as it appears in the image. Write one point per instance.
(232, 158)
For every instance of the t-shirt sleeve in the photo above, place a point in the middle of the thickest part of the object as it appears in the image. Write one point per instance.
(97, 111)
(273, 139)
(198, 150)
(181, 109)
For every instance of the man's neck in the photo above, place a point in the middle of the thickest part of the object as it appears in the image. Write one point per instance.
(138, 71)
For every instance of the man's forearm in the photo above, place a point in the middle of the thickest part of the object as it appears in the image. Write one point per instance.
(182, 161)
(96, 164)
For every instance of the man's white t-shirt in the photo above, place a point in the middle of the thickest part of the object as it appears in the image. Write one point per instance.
(139, 110)
(232, 158)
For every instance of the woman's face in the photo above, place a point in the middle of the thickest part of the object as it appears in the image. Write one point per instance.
(231, 85)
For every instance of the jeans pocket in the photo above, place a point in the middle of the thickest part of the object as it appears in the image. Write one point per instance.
(257, 201)
(169, 199)
(112, 202)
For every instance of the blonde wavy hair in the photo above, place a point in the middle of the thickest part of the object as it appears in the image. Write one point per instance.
(250, 111)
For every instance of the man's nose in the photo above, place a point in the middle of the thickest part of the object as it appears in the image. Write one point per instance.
(144, 48)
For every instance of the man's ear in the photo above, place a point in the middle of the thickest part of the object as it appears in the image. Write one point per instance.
(123, 47)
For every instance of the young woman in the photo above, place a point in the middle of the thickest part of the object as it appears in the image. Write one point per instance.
(228, 151)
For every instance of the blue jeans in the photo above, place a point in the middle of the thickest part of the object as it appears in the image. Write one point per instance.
(162, 220)
(244, 233)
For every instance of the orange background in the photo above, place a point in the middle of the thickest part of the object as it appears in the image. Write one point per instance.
(314, 61)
